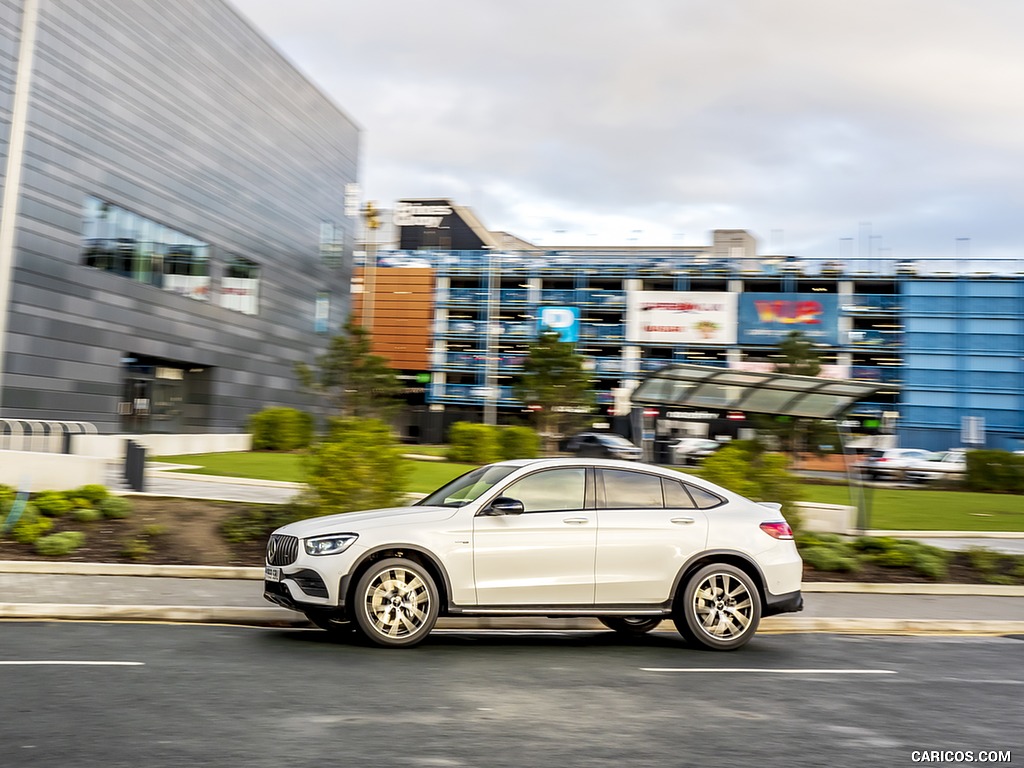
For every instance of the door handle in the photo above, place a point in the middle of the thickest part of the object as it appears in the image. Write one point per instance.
(683, 520)
(576, 520)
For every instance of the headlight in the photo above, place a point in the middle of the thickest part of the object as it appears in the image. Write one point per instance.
(331, 544)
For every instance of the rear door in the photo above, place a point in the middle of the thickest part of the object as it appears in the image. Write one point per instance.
(648, 526)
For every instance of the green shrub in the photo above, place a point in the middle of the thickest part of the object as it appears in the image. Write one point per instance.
(984, 560)
(829, 558)
(518, 443)
(281, 429)
(116, 508)
(31, 525)
(52, 503)
(744, 467)
(94, 494)
(60, 544)
(932, 566)
(999, 471)
(154, 529)
(86, 515)
(899, 556)
(137, 549)
(7, 494)
(359, 465)
(471, 443)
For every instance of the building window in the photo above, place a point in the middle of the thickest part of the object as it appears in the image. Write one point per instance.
(116, 240)
(322, 312)
(240, 286)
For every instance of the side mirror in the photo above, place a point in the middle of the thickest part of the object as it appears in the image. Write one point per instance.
(503, 505)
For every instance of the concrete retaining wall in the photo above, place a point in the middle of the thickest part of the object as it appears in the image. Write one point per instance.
(827, 518)
(111, 447)
(32, 471)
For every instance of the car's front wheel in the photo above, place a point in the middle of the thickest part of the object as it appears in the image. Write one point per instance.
(396, 603)
(719, 608)
(633, 626)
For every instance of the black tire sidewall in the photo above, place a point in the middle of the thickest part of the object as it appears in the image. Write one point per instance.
(364, 623)
(687, 622)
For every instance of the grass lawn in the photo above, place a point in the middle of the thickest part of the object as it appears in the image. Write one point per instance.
(926, 510)
(889, 508)
(425, 476)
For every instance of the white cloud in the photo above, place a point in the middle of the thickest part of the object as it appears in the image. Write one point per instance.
(599, 117)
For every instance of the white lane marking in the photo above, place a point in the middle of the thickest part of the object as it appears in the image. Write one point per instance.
(765, 670)
(72, 663)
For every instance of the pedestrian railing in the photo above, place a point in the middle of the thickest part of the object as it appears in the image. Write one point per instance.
(43, 436)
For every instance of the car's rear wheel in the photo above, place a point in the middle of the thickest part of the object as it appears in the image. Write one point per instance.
(396, 603)
(633, 626)
(719, 608)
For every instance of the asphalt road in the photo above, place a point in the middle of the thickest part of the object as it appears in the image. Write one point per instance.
(229, 696)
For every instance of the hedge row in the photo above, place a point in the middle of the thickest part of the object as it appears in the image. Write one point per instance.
(471, 443)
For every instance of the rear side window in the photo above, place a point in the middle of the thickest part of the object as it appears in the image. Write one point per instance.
(704, 499)
(676, 495)
(631, 490)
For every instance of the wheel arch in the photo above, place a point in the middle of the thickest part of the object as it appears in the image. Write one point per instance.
(727, 556)
(413, 552)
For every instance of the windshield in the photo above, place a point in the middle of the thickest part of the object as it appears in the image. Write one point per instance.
(467, 487)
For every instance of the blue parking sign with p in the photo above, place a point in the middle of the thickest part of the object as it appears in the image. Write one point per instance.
(565, 321)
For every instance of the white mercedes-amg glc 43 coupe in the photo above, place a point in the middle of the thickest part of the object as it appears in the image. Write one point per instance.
(626, 543)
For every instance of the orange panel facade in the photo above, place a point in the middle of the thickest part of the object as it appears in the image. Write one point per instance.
(402, 313)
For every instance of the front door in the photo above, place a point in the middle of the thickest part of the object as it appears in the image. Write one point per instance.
(544, 556)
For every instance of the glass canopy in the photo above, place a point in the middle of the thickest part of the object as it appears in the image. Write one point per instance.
(724, 389)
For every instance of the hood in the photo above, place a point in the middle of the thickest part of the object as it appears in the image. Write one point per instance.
(361, 521)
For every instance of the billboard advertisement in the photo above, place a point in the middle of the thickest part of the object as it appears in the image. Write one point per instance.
(767, 318)
(681, 317)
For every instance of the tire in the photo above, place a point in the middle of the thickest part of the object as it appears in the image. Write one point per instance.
(718, 608)
(395, 603)
(325, 622)
(631, 626)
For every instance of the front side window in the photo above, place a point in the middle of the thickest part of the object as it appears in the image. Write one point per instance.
(551, 490)
(631, 490)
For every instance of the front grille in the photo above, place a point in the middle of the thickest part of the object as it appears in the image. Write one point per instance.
(282, 550)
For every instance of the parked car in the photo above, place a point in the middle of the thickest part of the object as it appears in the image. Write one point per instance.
(690, 450)
(948, 465)
(603, 445)
(889, 463)
(629, 544)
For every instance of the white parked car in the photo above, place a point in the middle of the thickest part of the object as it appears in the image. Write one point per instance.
(690, 450)
(948, 465)
(890, 463)
(628, 543)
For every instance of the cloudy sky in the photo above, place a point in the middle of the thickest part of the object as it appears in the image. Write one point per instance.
(827, 128)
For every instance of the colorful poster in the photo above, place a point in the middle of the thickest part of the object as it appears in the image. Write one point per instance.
(681, 317)
(767, 318)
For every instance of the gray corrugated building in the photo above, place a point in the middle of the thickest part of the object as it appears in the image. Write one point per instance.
(172, 238)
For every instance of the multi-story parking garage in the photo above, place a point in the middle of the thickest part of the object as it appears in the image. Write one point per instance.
(946, 341)
(172, 238)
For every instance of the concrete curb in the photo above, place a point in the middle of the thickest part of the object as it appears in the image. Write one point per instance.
(255, 573)
(279, 617)
(948, 534)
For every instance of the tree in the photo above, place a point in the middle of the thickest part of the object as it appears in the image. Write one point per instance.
(554, 384)
(799, 357)
(794, 434)
(355, 382)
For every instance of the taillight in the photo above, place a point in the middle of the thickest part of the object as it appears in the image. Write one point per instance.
(778, 530)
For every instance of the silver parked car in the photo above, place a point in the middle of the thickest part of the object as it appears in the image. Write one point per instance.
(627, 543)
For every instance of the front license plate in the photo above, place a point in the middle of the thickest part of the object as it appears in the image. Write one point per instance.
(271, 574)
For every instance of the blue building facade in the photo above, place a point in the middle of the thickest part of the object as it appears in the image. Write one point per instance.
(945, 342)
